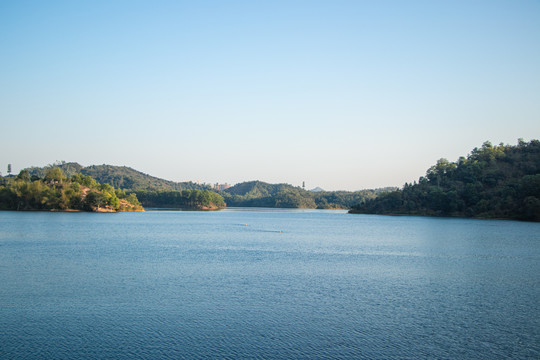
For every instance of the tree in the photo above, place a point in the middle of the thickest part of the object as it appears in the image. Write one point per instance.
(114, 202)
(106, 188)
(24, 175)
(132, 199)
(95, 199)
(84, 180)
(55, 175)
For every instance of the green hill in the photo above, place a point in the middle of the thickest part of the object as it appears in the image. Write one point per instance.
(130, 179)
(501, 181)
(156, 192)
(121, 177)
(69, 169)
(150, 190)
(257, 189)
(57, 192)
(261, 194)
(186, 199)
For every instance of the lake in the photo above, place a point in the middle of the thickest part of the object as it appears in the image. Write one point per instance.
(267, 284)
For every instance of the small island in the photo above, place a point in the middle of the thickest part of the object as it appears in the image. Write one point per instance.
(56, 192)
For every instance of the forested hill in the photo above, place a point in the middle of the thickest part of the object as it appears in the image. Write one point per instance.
(259, 188)
(155, 192)
(56, 191)
(127, 178)
(261, 194)
(501, 181)
(121, 177)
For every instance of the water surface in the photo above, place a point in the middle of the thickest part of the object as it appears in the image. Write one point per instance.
(266, 284)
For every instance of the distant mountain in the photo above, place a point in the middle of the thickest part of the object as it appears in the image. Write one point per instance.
(317, 189)
(121, 177)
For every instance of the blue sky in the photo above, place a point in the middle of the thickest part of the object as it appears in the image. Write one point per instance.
(339, 94)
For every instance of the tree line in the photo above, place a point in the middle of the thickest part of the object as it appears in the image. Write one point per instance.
(56, 191)
(155, 192)
(121, 177)
(261, 194)
(185, 199)
(501, 181)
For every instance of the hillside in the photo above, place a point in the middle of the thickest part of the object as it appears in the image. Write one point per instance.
(127, 178)
(156, 192)
(121, 177)
(186, 199)
(55, 191)
(151, 191)
(69, 169)
(501, 181)
(261, 194)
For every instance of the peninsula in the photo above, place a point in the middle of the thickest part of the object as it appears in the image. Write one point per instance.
(56, 192)
(494, 181)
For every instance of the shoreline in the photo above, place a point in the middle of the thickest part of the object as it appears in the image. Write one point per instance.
(100, 211)
(442, 216)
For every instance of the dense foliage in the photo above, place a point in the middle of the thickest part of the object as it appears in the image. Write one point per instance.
(121, 177)
(185, 199)
(56, 191)
(127, 178)
(69, 169)
(155, 192)
(491, 182)
(261, 194)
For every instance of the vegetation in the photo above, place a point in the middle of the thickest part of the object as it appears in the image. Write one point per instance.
(261, 194)
(56, 191)
(121, 177)
(185, 199)
(491, 182)
(155, 192)
(500, 181)
(152, 191)
(129, 179)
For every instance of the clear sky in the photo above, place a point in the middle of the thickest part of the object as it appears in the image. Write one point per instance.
(339, 94)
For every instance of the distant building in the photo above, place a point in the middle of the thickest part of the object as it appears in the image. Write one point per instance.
(217, 186)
